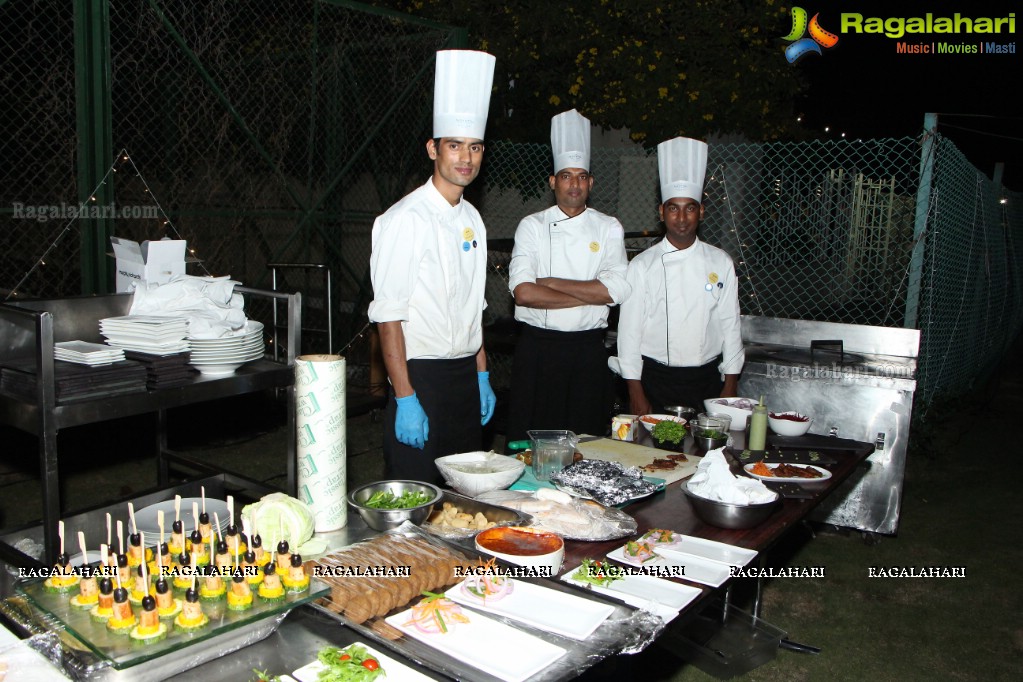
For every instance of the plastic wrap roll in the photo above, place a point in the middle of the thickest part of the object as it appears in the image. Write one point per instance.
(322, 442)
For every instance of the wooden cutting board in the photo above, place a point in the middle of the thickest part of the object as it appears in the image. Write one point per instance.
(633, 455)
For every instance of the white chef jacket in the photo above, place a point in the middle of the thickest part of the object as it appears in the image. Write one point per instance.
(588, 246)
(429, 268)
(674, 317)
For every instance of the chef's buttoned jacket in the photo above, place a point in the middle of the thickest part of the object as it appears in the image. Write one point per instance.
(683, 310)
(428, 267)
(589, 246)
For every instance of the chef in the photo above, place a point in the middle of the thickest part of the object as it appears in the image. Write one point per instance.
(428, 268)
(678, 334)
(567, 268)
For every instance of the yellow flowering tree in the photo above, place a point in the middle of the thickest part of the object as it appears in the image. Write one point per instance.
(658, 69)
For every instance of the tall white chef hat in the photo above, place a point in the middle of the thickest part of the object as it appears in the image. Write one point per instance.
(461, 93)
(570, 141)
(682, 166)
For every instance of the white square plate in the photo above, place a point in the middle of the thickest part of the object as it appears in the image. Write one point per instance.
(393, 670)
(720, 552)
(541, 607)
(641, 590)
(484, 643)
(697, 569)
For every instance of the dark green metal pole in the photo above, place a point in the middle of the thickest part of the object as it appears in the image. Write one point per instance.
(95, 135)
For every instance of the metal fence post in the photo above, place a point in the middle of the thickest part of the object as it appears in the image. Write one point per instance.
(923, 202)
(95, 139)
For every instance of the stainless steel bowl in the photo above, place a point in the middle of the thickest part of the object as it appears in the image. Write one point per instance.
(385, 519)
(708, 443)
(726, 515)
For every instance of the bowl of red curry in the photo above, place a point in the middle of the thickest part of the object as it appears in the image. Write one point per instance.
(524, 546)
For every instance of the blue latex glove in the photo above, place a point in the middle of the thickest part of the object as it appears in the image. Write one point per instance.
(488, 401)
(411, 426)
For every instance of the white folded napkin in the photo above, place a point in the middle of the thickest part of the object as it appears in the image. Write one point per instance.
(714, 480)
(210, 304)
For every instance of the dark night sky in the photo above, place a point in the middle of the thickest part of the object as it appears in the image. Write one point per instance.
(864, 88)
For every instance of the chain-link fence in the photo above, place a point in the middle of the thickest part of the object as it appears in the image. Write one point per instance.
(37, 146)
(276, 132)
(264, 132)
(821, 230)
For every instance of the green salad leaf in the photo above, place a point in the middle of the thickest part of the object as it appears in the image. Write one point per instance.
(386, 499)
(351, 664)
(600, 573)
(669, 431)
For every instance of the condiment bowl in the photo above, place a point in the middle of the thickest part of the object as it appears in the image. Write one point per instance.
(475, 473)
(728, 515)
(728, 406)
(789, 427)
(706, 439)
(386, 519)
(524, 546)
(649, 421)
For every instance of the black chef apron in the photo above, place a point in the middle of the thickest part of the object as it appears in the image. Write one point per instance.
(560, 380)
(687, 386)
(449, 392)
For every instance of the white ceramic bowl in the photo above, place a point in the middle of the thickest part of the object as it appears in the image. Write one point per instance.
(475, 473)
(726, 406)
(787, 427)
(524, 546)
(649, 421)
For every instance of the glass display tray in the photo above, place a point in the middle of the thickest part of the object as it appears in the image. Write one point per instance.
(123, 652)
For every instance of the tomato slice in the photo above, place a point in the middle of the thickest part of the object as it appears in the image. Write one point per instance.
(370, 664)
(344, 657)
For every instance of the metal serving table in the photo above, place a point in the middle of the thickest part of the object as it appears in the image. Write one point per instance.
(857, 382)
(28, 329)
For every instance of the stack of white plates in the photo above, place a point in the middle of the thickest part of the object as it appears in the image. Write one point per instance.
(146, 333)
(217, 357)
(84, 353)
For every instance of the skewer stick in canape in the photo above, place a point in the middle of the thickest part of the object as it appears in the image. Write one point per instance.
(136, 548)
(295, 578)
(283, 550)
(166, 605)
(239, 597)
(182, 579)
(195, 541)
(150, 629)
(88, 586)
(191, 617)
(63, 577)
(205, 529)
(162, 558)
(122, 558)
(112, 558)
(177, 539)
(104, 608)
(139, 585)
(250, 559)
(213, 587)
(233, 537)
(271, 588)
(222, 557)
(123, 619)
(255, 542)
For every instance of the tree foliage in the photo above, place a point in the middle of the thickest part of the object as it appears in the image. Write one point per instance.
(657, 69)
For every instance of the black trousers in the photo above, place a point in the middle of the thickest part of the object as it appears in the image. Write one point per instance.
(688, 386)
(560, 380)
(449, 392)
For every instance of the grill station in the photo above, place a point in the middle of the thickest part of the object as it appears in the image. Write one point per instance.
(857, 382)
